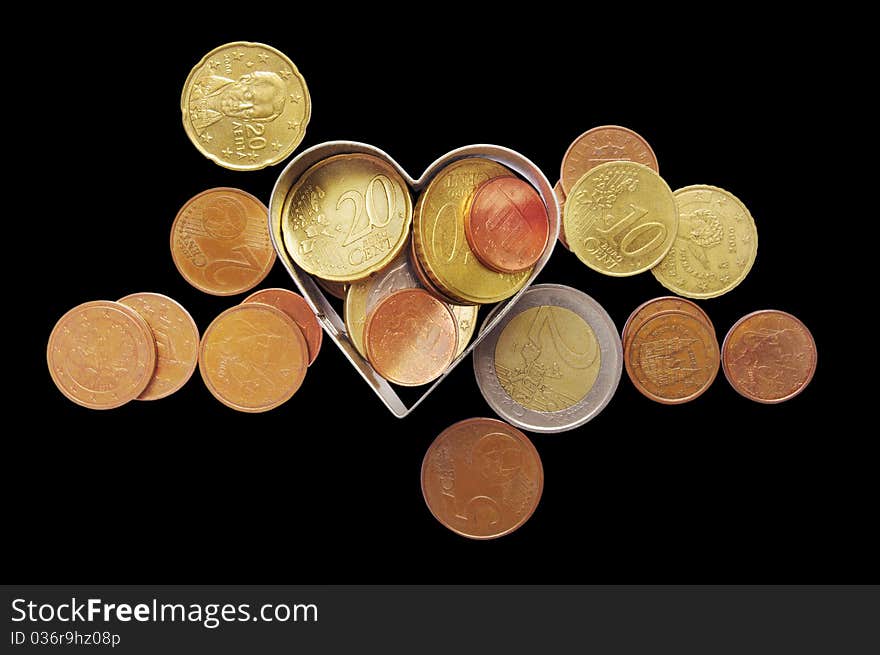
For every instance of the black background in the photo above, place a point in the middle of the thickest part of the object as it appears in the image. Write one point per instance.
(326, 488)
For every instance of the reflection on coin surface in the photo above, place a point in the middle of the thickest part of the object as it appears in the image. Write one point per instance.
(295, 306)
(620, 218)
(662, 304)
(439, 237)
(672, 357)
(482, 478)
(253, 357)
(769, 356)
(245, 106)
(411, 337)
(716, 245)
(346, 217)
(506, 224)
(220, 241)
(177, 342)
(604, 144)
(101, 354)
(560, 200)
(552, 363)
(363, 296)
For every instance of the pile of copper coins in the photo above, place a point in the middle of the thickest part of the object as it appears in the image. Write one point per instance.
(412, 277)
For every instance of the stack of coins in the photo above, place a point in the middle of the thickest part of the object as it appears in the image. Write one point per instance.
(620, 218)
(413, 277)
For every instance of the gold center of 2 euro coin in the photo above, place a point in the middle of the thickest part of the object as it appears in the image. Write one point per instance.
(620, 218)
(245, 106)
(346, 217)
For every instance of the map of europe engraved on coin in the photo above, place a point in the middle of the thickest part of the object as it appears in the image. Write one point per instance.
(547, 358)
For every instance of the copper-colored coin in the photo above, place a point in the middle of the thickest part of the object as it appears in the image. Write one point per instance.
(506, 224)
(411, 337)
(101, 354)
(672, 357)
(423, 278)
(769, 356)
(560, 200)
(603, 144)
(335, 289)
(295, 306)
(177, 342)
(220, 241)
(253, 357)
(482, 478)
(663, 304)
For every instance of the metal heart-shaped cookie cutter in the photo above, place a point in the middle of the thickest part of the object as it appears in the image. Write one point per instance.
(328, 316)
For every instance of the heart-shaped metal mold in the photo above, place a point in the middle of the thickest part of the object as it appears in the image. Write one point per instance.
(329, 318)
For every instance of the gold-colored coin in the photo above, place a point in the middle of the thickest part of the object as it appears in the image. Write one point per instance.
(346, 217)
(355, 313)
(620, 218)
(529, 349)
(466, 317)
(245, 106)
(439, 236)
(716, 245)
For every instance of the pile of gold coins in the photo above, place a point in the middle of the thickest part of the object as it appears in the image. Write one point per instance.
(412, 277)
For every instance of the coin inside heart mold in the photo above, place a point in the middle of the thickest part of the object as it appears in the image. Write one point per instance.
(327, 314)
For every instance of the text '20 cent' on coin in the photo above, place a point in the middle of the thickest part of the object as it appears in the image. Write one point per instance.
(672, 357)
(601, 145)
(177, 342)
(295, 306)
(482, 478)
(506, 224)
(347, 217)
(411, 337)
(715, 247)
(245, 106)
(441, 244)
(220, 241)
(560, 200)
(769, 356)
(620, 218)
(101, 354)
(552, 363)
(662, 304)
(253, 357)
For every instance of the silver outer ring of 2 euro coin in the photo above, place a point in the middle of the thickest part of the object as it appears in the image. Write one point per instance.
(599, 395)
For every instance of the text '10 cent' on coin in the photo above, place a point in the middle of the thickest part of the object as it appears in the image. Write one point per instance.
(177, 342)
(253, 357)
(620, 218)
(220, 241)
(769, 356)
(296, 307)
(101, 354)
(506, 224)
(411, 337)
(715, 246)
(245, 106)
(346, 217)
(601, 145)
(552, 363)
(482, 478)
(672, 357)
